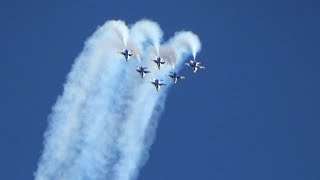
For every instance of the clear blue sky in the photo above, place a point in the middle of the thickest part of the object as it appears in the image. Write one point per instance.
(254, 113)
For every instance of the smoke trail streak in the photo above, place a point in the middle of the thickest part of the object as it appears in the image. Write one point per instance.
(104, 123)
(62, 135)
(188, 40)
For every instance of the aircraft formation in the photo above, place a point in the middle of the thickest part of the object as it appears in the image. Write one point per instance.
(195, 65)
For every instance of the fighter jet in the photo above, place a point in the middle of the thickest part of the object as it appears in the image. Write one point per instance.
(126, 53)
(157, 83)
(195, 65)
(142, 71)
(159, 62)
(175, 77)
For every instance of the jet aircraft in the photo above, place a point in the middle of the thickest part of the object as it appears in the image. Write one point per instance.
(157, 83)
(175, 77)
(126, 53)
(142, 71)
(159, 62)
(195, 65)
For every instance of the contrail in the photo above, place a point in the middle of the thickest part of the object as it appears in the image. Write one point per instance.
(104, 123)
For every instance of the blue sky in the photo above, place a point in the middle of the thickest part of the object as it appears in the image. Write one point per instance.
(252, 114)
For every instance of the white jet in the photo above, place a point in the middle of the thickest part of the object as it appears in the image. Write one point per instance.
(195, 65)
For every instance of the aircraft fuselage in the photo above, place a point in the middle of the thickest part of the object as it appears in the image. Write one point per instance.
(126, 53)
(159, 62)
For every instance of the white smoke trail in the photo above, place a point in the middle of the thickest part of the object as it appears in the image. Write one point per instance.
(146, 31)
(103, 124)
(189, 41)
(66, 121)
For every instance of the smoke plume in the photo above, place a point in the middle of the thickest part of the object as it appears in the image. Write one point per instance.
(103, 124)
